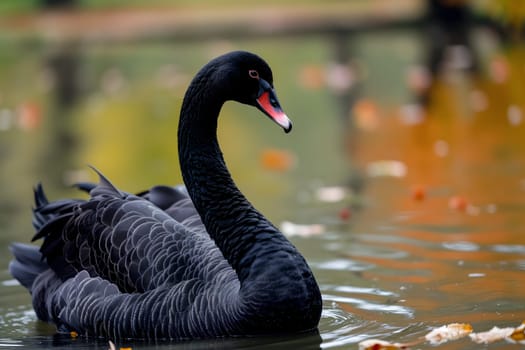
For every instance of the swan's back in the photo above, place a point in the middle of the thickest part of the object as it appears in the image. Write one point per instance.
(127, 240)
(118, 252)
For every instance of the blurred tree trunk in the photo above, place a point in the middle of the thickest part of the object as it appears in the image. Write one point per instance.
(52, 4)
(58, 154)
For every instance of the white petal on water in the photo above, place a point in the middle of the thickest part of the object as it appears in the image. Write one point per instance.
(331, 194)
(291, 229)
(382, 168)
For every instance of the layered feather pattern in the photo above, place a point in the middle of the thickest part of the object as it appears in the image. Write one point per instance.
(160, 270)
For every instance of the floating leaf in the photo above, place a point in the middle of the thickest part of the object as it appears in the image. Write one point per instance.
(492, 335)
(511, 334)
(514, 115)
(441, 148)
(519, 334)
(331, 194)
(376, 344)
(392, 168)
(345, 214)
(418, 192)
(366, 114)
(458, 203)
(453, 331)
(412, 114)
(448, 332)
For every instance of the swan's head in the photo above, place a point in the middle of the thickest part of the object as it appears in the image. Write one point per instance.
(247, 78)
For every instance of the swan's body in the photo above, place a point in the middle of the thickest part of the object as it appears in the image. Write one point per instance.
(170, 263)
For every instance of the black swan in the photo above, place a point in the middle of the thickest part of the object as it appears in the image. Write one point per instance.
(173, 262)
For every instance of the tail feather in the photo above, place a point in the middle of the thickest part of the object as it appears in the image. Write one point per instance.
(104, 187)
(27, 265)
(41, 200)
(48, 220)
(40, 196)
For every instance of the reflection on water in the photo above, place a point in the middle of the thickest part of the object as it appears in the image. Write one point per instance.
(390, 264)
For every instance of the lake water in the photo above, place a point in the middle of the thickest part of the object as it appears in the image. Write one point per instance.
(410, 221)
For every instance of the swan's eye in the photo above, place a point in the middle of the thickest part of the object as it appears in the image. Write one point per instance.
(253, 74)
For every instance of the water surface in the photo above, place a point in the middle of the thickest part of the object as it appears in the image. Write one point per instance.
(391, 263)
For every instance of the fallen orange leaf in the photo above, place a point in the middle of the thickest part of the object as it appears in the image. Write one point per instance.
(458, 203)
(345, 214)
(453, 331)
(448, 332)
(376, 344)
(418, 192)
(495, 334)
(366, 114)
(277, 160)
(519, 333)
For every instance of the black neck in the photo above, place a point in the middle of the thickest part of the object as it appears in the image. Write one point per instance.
(271, 271)
(236, 226)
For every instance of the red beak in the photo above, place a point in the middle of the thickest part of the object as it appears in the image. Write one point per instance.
(267, 102)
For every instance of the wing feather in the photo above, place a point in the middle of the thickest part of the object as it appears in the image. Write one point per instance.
(127, 264)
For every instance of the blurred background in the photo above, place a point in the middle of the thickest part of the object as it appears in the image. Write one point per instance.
(403, 181)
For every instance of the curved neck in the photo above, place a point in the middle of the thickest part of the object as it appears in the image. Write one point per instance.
(230, 219)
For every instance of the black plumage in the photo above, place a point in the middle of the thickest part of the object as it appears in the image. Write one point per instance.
(173, 262)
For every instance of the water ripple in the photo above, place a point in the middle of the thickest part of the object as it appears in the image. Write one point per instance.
(10, 283)
(343, 265)
(360, 290)
(509, 248)
(370, 306)
(369, 299)
(341, 328)
(461, 246)
(8, 343)
(16, 320)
